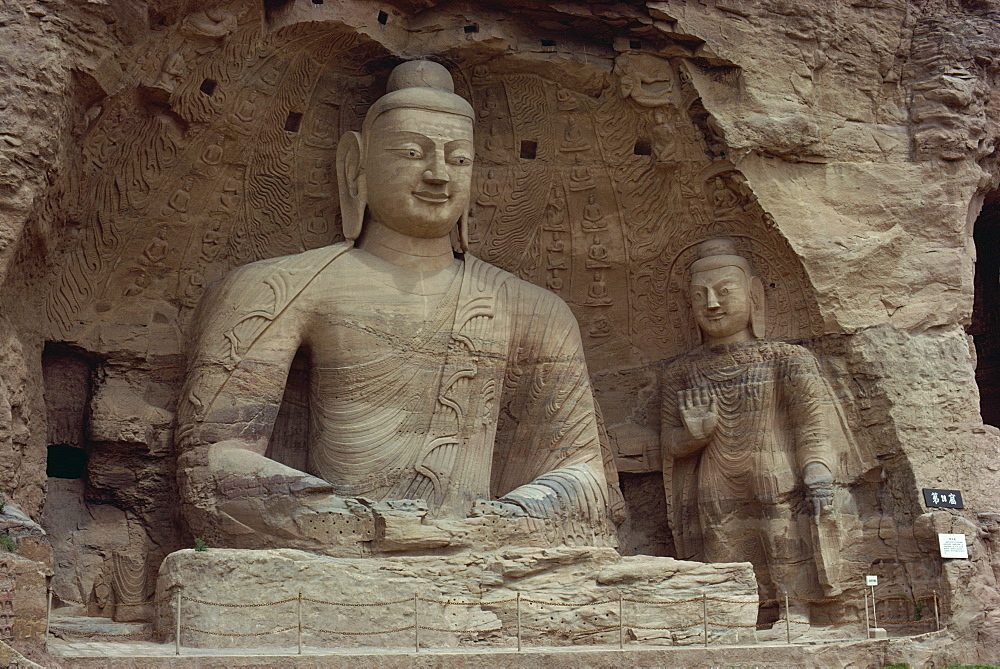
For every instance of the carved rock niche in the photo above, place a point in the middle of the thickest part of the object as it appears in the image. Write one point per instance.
(596, 176)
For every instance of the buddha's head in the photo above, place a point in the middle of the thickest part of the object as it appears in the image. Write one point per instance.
(410, 167)
(726, 297)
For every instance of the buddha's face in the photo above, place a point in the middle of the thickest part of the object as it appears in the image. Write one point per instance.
(720, 299)
(419, 170)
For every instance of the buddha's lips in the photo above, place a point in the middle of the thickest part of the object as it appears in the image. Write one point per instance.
(428, 196)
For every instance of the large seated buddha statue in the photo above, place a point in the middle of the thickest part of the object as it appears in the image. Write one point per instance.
(450, 403)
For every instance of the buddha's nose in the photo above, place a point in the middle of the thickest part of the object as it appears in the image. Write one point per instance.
(711, 301)
(437, 172)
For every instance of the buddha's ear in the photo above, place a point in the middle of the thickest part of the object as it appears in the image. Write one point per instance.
(351, 184)
(757, 308)
(463, 232)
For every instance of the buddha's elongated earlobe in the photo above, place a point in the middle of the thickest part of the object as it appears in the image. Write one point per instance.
(351, 184)
(757, 308)
(463, 232)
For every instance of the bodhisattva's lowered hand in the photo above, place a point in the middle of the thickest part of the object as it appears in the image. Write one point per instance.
(818, 480)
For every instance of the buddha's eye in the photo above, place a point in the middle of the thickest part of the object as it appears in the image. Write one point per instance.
(698, 297)
(723, 292)
(460, 160)
(412, 152)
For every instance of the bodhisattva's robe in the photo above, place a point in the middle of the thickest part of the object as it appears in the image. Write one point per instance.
(741, 497)
(486, 399)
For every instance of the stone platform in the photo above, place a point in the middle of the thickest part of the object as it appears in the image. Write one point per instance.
(935, 647)
(566, 596)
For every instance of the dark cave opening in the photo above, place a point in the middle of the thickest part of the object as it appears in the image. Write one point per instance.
(985, 329)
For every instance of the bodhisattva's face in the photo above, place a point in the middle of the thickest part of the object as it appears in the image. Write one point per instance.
(720, 299)
(419, 170)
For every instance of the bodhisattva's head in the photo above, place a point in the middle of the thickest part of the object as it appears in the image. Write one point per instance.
(726, 298)
(411, 165)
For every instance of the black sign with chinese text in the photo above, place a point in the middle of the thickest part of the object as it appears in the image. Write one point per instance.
(945, 499)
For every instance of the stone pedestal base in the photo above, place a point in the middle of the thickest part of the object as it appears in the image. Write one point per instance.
(567, 596)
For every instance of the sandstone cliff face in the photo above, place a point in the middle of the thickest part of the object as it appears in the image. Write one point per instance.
(149, 147)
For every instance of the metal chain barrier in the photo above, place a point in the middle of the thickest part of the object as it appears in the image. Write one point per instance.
(238, 606)
(236, 634)
(904, 599)
(825, 600)
(398, 629)
(664, 601)
(470, 603)
(578, 604)
(78, 602)
(109, 634)
(599, 629)
(492, 629)
(734, 625)
(657, 629)
(323, 601)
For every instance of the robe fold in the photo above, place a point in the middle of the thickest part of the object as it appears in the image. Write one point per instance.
(489, 399)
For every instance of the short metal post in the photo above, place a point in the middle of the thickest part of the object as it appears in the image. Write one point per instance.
(874, 615)
(704, 617)
(788, 624)
(48, 613)
(177, 625)
(937, 615)
(868, 625)
(299, 610)
(416, 625)
(621, 622)
(519, 622)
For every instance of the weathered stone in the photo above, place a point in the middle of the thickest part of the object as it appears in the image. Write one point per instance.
(446, 396)
(150, 148)
(756, 450)
(23, 599)
(482, 586)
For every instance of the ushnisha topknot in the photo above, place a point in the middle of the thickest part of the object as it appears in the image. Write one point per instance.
(419, 84)
(720, 252)
(420, 74)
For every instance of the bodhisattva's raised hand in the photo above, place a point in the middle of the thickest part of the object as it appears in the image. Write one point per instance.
(698, 412)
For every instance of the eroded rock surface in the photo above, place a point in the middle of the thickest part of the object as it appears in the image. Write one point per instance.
(148, 150)
(462, 599)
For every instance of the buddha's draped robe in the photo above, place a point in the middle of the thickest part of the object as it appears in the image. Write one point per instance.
(490, 399)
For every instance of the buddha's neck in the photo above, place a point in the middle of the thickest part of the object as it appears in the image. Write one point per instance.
(404, 250)
(740, 337)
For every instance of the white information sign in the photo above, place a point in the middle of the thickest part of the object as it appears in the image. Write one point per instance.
(871, 580)
(953, 546)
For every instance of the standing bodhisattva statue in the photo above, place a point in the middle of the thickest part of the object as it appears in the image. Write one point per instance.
(752, 437)
(450, 402)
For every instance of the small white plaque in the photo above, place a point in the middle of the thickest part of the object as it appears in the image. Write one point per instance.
(953, 546)
(871, 580)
